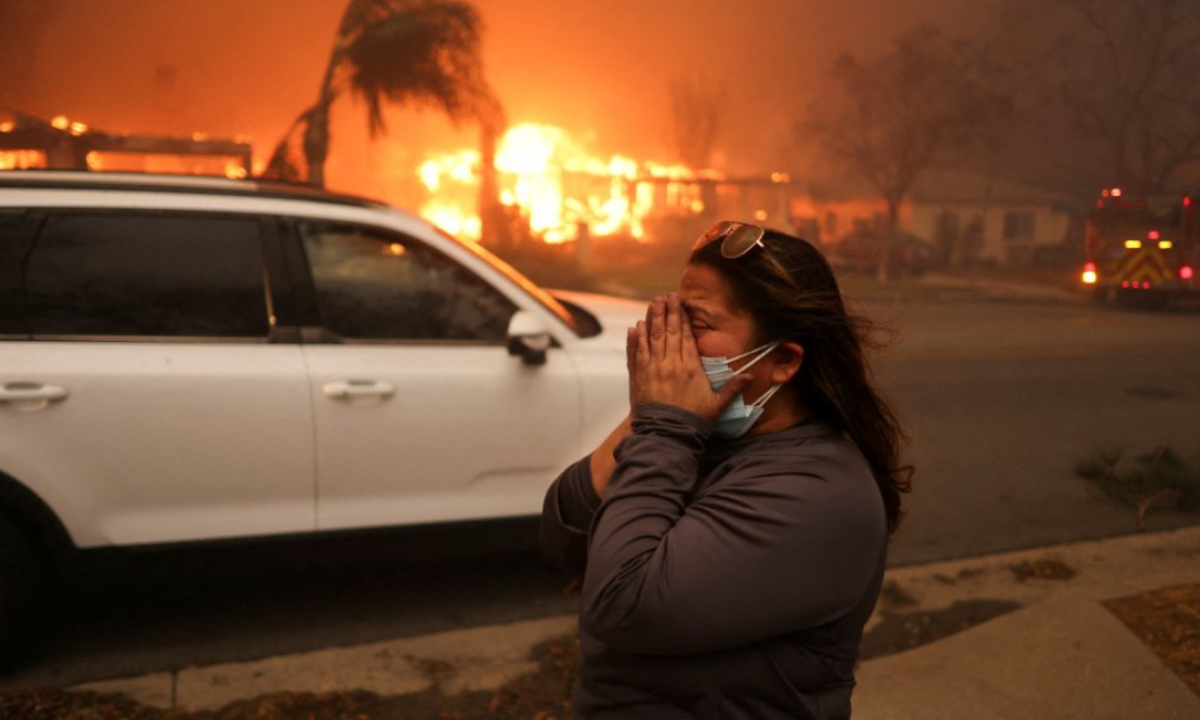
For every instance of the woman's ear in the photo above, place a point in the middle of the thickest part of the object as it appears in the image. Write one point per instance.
(788, 357)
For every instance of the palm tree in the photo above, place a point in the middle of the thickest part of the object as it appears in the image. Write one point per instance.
(404, 52)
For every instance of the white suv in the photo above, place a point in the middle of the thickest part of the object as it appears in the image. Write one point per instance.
(185, 360)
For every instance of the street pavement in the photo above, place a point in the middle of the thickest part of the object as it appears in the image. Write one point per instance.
(1003, 398)
(1061, 655)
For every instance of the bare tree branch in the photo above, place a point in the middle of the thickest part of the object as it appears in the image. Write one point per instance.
(894, 115)
(1130, 81)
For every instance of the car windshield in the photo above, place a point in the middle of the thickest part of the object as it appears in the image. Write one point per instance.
(514, 276)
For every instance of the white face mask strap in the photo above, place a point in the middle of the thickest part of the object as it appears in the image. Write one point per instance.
(766, 350)
(766, 396)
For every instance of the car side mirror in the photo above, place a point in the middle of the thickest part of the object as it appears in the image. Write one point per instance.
(528, 337)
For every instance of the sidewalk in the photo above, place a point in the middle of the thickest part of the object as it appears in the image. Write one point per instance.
(1061, 655)
(1001, 289)
(947, 287)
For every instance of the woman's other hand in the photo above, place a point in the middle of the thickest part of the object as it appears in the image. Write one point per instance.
(664, 364)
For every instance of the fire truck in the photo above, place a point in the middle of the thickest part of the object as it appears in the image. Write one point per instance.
(1142, 250)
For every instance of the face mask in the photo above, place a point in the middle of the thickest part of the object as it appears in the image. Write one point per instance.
(737, 418)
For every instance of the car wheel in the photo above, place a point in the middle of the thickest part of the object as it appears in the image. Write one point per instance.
(20, 588)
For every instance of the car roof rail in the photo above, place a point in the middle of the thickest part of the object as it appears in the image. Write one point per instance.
(197, 184)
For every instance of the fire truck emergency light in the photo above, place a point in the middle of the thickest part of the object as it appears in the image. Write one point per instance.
(1165, 245)
(1185, 273)
(1133, 244)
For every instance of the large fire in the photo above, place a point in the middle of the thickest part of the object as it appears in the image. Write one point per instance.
(561, 188)
(62, 143)
(549, 180)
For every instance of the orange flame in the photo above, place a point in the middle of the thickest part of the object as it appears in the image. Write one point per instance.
(22, 159)
(559, 187)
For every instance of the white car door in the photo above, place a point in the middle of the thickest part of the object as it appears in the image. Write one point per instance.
(147, 405)
(421, 414)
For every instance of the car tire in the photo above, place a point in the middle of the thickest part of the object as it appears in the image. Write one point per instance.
(21, 584)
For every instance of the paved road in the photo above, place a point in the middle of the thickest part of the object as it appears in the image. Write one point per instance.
(1001, 399)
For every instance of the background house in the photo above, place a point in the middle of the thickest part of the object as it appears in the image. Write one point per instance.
(32, 143)
(965, 218)
(972, 218)
(827, 217)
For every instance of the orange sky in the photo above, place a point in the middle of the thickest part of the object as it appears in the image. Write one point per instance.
(598, 68)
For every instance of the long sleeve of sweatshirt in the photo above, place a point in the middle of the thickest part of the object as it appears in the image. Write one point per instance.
(567, 513)
(786, 536)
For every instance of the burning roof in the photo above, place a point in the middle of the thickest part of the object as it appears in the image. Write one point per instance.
(28, 142)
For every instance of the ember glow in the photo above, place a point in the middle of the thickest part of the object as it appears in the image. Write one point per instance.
(22, 160)
(63, 143)
(451, 180)
(561, 188)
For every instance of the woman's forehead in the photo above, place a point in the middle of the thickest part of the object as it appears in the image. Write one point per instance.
(702, 288)
(702, 279)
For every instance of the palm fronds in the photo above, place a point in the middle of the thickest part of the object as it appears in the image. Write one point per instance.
(398, 52)
(425, 54)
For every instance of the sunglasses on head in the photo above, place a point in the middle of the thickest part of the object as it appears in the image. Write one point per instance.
(736, 238)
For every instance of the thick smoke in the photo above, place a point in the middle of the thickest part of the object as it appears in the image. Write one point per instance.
(601, 69)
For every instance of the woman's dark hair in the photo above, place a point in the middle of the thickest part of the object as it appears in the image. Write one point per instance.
(790, 291)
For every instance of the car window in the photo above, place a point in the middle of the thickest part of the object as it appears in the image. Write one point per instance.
(147, 275)
(548, 301)
(11, 320)
(376, 285)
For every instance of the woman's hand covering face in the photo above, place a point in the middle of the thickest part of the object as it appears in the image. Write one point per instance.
(664, 364)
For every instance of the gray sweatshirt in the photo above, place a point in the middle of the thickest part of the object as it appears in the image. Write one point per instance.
(722, 579)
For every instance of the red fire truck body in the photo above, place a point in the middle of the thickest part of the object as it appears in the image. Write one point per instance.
(1143, 249)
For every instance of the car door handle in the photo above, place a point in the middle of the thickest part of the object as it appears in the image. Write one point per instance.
(350, 389)
(30, 392)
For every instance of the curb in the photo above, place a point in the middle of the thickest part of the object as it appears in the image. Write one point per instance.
(1054, 587)
(458, 661)
(1002, 290)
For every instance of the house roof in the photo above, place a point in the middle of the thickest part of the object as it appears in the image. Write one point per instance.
(937, 185)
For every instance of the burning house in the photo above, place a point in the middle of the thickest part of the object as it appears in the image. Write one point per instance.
(28, 143)
(566, 193)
